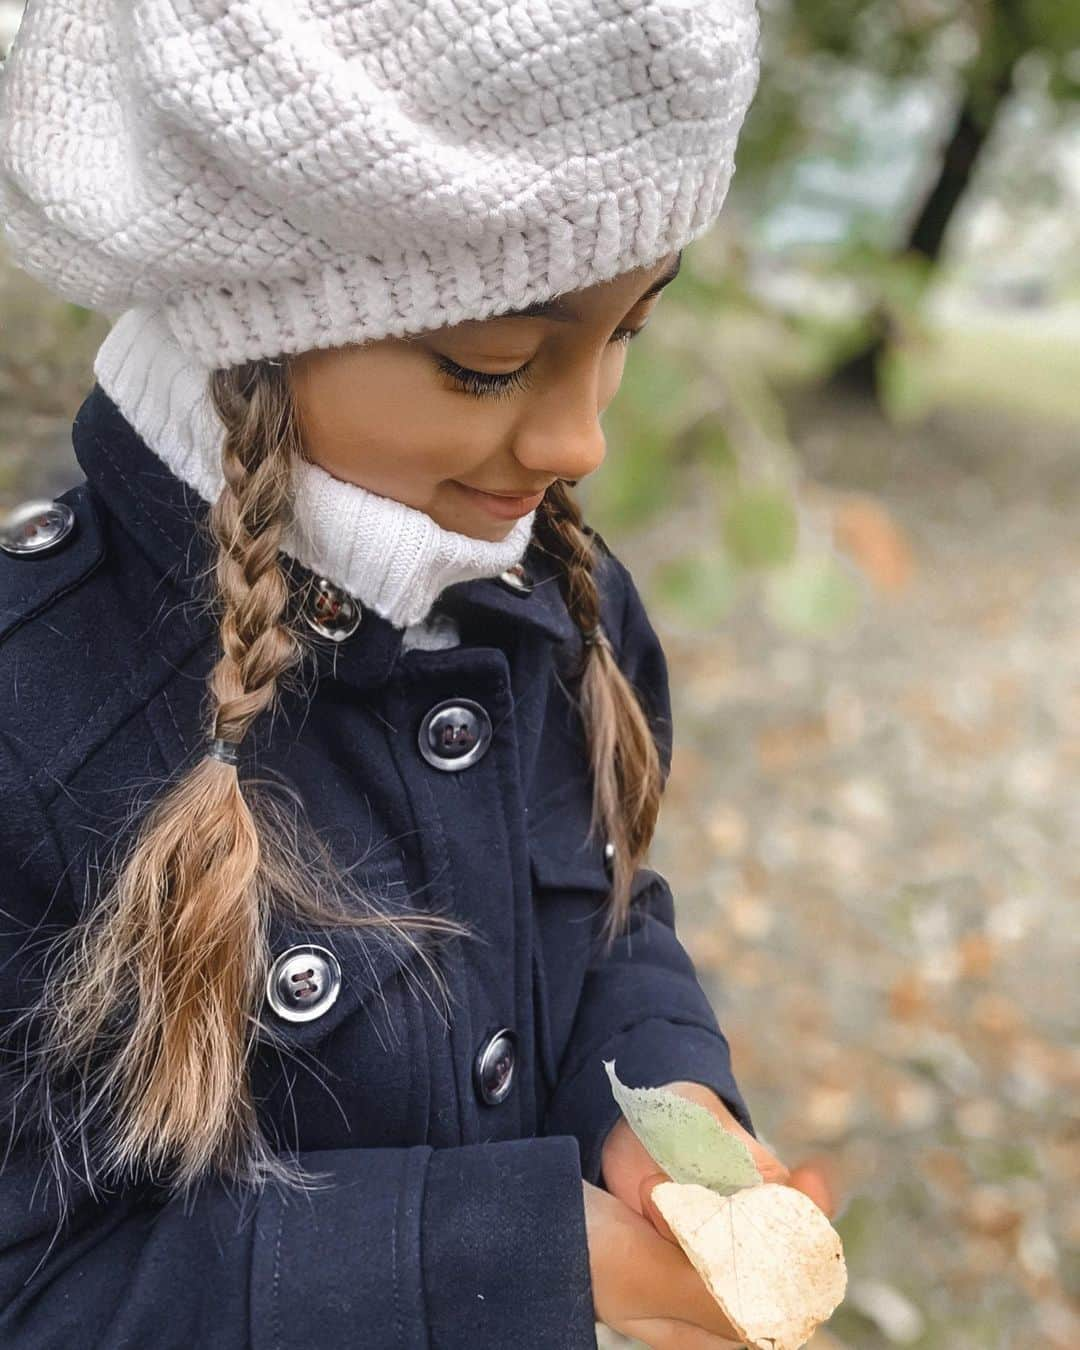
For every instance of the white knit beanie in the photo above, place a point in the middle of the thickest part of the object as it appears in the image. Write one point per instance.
(281, 175)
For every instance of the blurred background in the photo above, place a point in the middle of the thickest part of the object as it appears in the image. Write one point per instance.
(844, 469)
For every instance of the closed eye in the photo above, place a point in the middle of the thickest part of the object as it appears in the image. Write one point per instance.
(482, 384)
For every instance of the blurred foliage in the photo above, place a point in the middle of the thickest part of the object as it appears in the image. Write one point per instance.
(973, 40)
(760, 527)
(885, 115)
(47, 346)
(814, 595)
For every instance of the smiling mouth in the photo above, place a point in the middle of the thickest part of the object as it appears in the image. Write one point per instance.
(510, 496)
(499, 504)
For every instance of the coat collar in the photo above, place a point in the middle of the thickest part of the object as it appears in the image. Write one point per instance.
(165, 519)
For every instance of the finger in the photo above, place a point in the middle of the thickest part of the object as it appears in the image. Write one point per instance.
(649, 1207)
(772, 1169)
(812, 1181)
(661, 1333)
(666, 1284)
(768, 1164)
(695, 1304)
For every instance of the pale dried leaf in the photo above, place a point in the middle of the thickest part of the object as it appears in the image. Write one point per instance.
(767, 1254)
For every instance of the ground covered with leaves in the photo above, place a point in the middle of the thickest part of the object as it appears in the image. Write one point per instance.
(871, 838)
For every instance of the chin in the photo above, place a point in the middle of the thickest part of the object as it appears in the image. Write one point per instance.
(492, 534)
(497, 532)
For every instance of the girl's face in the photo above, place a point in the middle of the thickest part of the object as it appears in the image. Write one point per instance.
(503, 405)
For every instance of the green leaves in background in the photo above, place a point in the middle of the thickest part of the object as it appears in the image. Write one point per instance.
(76, 317)
(811, 596)
(644, 423)
(814, 596)
(708, 441)
(703, 586)
(684, 1139)
(760, 527)
(905, 383)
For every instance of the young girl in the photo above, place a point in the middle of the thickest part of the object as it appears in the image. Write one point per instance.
(332, 740)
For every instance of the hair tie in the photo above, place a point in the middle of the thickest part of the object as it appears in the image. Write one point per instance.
(227, 751)
(595, 637)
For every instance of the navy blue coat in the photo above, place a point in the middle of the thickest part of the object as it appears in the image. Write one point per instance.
(446, 1221)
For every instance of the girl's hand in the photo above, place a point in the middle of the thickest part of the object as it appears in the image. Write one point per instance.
(646, 1288)
(630, 1173)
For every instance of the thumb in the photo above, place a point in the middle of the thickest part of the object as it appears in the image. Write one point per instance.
(766, 1162)
(816, 1177)
(648, 1205)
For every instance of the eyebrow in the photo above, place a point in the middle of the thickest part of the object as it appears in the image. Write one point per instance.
(562, 313)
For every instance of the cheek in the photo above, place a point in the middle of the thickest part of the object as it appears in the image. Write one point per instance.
(379, 420)
(611, 375)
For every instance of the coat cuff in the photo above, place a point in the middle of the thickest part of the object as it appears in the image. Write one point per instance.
(485, 1244)
(650, 1053)
(506, 1257)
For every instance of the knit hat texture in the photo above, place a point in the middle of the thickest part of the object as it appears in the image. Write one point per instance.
(280, 176)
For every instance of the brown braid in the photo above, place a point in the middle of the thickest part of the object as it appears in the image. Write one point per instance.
(248, 521)
(150, 1015)
(623, 754)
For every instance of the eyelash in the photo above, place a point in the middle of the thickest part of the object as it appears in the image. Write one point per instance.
(481, 384)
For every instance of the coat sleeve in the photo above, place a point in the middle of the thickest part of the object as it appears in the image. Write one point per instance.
(483, 1244)
(641, 1004)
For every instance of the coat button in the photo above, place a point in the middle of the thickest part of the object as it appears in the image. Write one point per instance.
(454, 733)
(332, 612)
(609, 857)
(493, 1069)
(303, 983)
(36, 527)
(516, 579)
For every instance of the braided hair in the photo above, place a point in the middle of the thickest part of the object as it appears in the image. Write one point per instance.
(149, 1015)
(624, 757)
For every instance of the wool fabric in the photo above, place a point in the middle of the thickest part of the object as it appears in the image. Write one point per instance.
(282, 177)
(390, 556)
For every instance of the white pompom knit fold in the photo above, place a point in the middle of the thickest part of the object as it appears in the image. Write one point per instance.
(392, 557)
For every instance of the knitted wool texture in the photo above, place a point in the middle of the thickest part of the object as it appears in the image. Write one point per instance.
(390, 556)
(282, 177)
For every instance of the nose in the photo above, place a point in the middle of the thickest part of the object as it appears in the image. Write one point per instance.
(562, 436)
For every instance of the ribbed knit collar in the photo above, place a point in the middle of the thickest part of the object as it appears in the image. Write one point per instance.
(392, 557)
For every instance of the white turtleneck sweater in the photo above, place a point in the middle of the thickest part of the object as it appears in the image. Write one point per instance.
(391, 557)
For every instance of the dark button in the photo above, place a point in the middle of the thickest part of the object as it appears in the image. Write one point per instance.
(303, 983)
(454, 733)
(493, 1069)
(332, 612)
(516, 579)
(36, 527)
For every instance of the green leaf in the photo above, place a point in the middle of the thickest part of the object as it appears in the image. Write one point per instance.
(708, 441)
(815, 596)
(684, 1139)
(905, 380)
(702, 587)
(76, 316)
(761, 527)
(639, 484)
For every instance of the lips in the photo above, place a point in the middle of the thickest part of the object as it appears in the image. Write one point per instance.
(506, 508)
(510, 496)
